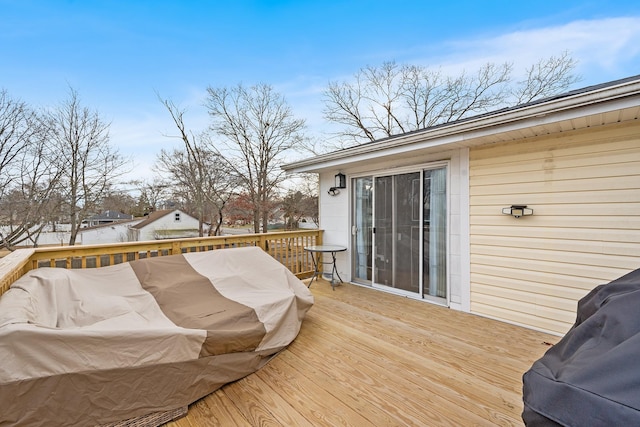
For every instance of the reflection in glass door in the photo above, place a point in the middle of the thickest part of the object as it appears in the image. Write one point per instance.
(399, 232)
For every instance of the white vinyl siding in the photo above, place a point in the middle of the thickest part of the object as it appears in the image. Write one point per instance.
(584, 189)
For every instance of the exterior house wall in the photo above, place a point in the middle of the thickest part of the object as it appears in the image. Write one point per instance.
(584, 189)
(166, 227)
(109, 233)
(335, 213)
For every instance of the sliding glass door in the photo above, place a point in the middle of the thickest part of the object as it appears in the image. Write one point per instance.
(399, 232)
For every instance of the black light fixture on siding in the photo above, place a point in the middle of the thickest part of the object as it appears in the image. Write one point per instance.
(517, 211)
(340, 182)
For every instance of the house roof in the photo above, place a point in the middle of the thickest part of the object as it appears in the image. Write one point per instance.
(110, 215)
(606, 103)
(154, 216)
(124, 222)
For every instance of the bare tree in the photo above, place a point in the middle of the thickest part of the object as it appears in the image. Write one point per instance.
(152, 192)
(257, 128)
(204, 191)
(310, 188)
(393, 99)
(297, 206)
(301, 201)
(546, 78)
(239, 209)
(118, 201)
(32, 203)
(27, 180)
(198, 169)
(89, 164)
(19, 126)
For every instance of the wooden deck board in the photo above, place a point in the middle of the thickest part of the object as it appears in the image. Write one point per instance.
(392, 375)
(368, 358)
(216, 410)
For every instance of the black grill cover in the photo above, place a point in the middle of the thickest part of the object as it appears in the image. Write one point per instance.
(592, 376)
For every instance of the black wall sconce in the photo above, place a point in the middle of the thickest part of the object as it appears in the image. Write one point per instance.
(517, 211)
(340, 182)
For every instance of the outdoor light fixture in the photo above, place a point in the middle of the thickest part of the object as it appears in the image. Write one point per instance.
(341, 182)
(517, 211)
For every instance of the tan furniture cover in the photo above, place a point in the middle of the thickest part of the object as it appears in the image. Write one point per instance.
(92, 346)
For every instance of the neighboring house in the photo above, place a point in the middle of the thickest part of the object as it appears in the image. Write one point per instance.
(165, 224)
(115, 232)
(427, 214)
(106, 217)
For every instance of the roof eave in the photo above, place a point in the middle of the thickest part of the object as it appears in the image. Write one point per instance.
(465, 132)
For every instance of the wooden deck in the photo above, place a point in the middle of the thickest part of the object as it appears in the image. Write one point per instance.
(368, 358)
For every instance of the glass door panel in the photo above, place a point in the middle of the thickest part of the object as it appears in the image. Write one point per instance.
(383, 230)
(362, 229)
(435, 233)
(397, 204)
(406, 237)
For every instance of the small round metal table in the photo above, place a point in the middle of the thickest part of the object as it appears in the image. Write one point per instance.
(325, 249)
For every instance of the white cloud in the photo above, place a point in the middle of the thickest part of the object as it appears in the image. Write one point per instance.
(606, 49)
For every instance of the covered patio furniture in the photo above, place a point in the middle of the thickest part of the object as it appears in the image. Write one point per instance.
(96, 346)
(592, 376)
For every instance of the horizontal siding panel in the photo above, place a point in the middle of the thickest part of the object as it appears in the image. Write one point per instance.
(521, 318)
(604, 140)
(596, 234)
(549, 163)
(525, 297)
(562, 265)
(579, 258)
(614, 223)
(566, 317)
(507, 187)
(576, 284)
(599, 248)
(553, 289)
(546, 174)
(631, 195)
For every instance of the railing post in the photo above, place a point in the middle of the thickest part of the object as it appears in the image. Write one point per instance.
(175, 248)
(14, 265)
(264, 242)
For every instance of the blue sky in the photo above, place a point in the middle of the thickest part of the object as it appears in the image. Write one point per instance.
(119, 53)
